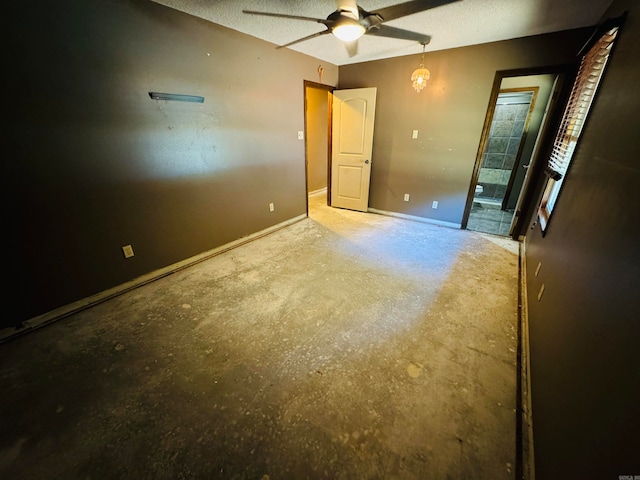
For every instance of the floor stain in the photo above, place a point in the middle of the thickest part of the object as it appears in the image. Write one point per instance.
(414, 370)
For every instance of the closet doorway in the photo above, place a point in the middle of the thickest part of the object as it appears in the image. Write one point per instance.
(317, 135)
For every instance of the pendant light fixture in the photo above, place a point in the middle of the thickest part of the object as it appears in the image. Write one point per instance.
(420, 76)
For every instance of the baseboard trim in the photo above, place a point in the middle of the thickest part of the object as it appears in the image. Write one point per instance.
(415, 218)
(318, 192)
(7, 334)
(525, 467)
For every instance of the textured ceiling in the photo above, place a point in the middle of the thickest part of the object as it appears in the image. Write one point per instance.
(466, 22)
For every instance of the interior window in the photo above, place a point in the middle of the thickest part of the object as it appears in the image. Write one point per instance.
(582, 94)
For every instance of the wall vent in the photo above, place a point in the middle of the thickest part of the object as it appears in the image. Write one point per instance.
(176, 97)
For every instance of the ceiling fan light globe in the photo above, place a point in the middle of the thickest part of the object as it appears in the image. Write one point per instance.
(348, 31)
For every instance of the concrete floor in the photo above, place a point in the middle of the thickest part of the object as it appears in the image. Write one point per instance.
(346, 346)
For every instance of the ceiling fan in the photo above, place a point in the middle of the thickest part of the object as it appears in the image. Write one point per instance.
(350, 21)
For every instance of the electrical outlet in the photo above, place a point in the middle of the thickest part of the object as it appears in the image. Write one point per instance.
(406, 197)
(414, 134)
(434, 205)
(271, 207)
(128, 251)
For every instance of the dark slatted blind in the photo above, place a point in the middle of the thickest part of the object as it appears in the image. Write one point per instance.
(582, 94)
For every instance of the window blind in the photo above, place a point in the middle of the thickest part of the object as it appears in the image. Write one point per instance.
(582, 94)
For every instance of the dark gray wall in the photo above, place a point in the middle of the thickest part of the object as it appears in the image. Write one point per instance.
(92, 163)
(449, 114)
(585, 330)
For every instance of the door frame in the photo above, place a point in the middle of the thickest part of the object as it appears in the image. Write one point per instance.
(559, 97)
(329, 89)
(514, 169)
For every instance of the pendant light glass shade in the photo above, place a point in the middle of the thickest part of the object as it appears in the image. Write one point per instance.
(420, 76)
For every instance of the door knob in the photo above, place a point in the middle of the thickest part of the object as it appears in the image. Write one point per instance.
(366, 161)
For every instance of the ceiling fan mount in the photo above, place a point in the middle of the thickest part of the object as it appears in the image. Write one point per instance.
(350, 21)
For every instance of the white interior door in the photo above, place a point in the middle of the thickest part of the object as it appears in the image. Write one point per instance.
(351, 145)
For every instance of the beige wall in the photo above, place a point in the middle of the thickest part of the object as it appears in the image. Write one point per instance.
(545, 85)
(449, 115)
(317, 128)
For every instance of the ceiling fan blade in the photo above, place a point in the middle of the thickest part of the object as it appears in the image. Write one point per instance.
(393, 32)
(282, 15)
(309, 37)
(352, 48)
(408, 8)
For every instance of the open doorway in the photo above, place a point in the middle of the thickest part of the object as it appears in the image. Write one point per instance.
(491, 211)
(516, 122)
(317, 134)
